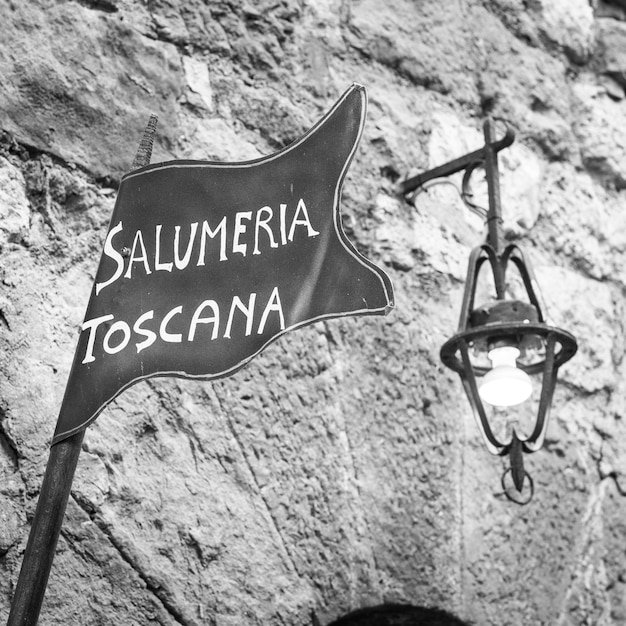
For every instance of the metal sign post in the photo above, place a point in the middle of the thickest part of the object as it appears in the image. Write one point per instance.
(55, 492)
(203, 266)
(45, 530)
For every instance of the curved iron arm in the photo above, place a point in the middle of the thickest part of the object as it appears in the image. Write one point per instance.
(499, 264)
(535, 441)
(466, 192)
(478, 256)
(521, 261)
(472, 159)
(468, 379)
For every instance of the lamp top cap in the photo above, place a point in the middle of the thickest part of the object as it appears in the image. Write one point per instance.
(504, 311)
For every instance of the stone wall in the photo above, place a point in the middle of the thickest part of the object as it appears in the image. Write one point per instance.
(342, 468)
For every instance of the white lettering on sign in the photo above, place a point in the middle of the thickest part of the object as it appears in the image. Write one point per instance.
(176, 327)
(112, 253)
(252, 232)
(200, 244)
(208, 232)
(150, 336)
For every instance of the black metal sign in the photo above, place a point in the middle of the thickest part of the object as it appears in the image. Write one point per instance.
(205, 264)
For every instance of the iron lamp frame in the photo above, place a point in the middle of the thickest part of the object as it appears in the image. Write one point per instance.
(503, 321)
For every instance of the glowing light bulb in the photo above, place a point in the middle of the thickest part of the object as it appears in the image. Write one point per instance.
(505, 384)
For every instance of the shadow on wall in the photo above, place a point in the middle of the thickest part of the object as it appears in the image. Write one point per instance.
(398, 615)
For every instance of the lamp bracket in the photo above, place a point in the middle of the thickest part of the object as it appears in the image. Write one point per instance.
(487, 156)
(468, 161)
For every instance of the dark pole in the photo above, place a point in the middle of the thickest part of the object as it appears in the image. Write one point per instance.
(55, 492)
(45, 530)
(494, 215)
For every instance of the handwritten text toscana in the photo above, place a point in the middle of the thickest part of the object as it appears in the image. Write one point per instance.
(250, 234)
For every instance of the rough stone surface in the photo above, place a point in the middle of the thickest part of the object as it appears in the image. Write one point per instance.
(342, 468)
(613, 38)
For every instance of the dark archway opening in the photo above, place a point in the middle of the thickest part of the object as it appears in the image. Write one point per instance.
(398, 615)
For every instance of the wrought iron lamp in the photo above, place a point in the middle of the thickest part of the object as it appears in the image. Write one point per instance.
(501, 343)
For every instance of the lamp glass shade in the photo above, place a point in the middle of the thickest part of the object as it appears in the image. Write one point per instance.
(505, 384)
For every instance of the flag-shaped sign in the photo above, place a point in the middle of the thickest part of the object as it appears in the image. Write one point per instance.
(205, 264)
